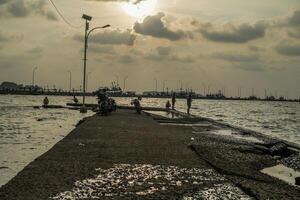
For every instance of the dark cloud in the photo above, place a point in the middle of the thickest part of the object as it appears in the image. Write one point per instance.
(3, 1)
(294, 20)
(155, 27)
(22, 8)
(234, 34)
(17, 8)
(114, 37)
(236, 57)
(288, 49)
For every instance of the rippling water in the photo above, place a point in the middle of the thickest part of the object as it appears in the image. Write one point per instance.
(26, 133)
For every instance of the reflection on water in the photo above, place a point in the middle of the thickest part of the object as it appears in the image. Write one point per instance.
(26, 133)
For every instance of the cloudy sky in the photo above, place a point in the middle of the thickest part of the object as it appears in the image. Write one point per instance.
(213, 44)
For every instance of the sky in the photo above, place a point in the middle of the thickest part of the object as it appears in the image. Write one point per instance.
(204, 45)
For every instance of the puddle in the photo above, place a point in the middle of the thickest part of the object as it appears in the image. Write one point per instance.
(283, 173)
(169, 115)
(140, 181)
(233, 134)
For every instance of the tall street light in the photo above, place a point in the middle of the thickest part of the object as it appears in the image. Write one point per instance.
(125, 78)
(155, 79)
(70, 80)
(33, 73)
(117, 78)
(164, 84)
(86, 36)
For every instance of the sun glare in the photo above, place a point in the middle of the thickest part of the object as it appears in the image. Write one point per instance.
(140, 10)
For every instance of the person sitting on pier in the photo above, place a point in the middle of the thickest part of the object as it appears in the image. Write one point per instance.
(168, 105)
(75, 99)
(173, 100)
(189, 103)
(46, 101)
(137, 104)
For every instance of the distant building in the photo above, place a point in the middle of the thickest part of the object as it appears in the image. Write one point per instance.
(13, 87)
(9, 86)
(151, 93)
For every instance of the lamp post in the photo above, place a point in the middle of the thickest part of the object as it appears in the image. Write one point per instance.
(33, 73)
(164, 84)
(180, 83)
(86, 35)
(125, 78)
(155, 84)
(70, 80)
(117, 78)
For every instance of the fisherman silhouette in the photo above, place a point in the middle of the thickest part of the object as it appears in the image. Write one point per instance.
(75, 99)
(46, 101)
(173, 100)
(168, 105)
(189, 103)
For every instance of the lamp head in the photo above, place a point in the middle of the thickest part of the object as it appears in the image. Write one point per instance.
(87, 17)
(106, 26)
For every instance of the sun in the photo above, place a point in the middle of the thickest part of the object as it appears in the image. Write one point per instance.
(141, 9)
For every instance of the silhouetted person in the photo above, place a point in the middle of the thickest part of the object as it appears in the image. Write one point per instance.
(173, 100)
(189, 103)
(75, 99)
(46, 101)
(168, 105)
(137, 104)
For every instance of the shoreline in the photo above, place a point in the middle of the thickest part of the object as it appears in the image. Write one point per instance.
(104, 142)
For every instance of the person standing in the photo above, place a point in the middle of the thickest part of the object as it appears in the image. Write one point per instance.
(46, 101)
(173, 100)
(189, 103)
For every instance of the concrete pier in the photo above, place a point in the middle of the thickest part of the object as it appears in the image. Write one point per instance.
(131, 156)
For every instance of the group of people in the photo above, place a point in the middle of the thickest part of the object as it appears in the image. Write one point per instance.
(46, 101)
(107, 104)
(173, 100)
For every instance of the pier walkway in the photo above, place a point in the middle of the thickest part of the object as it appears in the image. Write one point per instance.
(131, 156)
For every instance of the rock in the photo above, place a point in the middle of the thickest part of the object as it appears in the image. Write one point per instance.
(80, 122)
(297, 180)
(280, 149)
